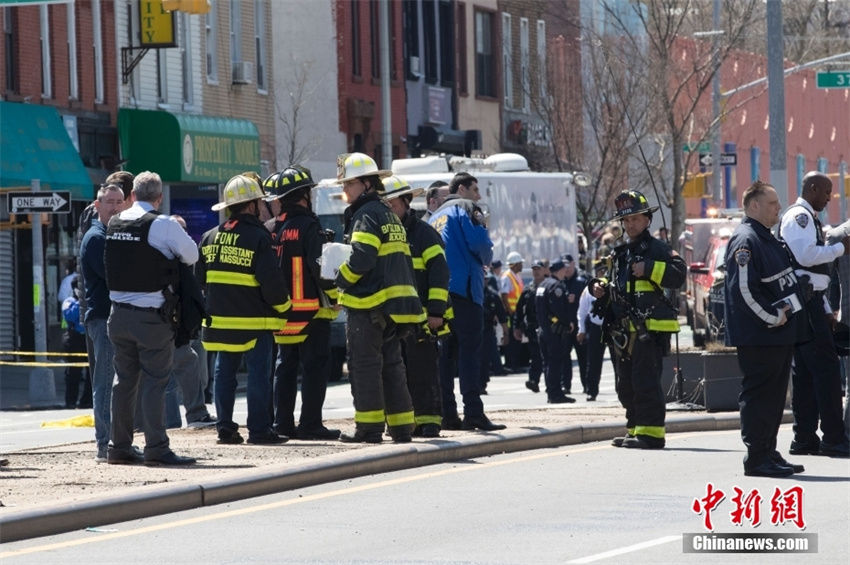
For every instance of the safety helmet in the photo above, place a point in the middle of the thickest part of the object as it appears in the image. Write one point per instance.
(513, 258)
(287, 181)
(632, 202)
(396, 186)
(237, 190)
(350, 166)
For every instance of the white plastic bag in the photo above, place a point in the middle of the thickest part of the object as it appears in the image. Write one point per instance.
(333, 256)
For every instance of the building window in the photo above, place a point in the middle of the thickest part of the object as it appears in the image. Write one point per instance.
(375, 31)
(260, 43)
(186, 58)
(447, 48)
(462, 76)
(73, 71)
(235, 33)
(161, 76)
(356, 69)
(507, 56)
(541, 59)
(429, 34)
(97, 47)
(211, 54)
(9, 50)
(44, 28)
(410, 25)
(524, 61)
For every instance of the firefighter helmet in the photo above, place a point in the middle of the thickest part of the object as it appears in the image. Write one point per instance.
(396, 186)
(350, 166)
(631, 202)
(237, 190)
(287, 181)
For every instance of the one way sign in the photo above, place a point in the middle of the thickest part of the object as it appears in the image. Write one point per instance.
(56, 202)
(726, 159)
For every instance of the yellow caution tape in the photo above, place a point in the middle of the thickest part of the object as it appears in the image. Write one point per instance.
(45, 353)
(84, 421)
(44, 364)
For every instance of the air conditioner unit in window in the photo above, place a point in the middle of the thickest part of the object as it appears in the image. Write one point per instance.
(243, 72)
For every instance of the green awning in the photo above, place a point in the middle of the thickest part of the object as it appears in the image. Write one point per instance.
(188, 147)
(35, 145)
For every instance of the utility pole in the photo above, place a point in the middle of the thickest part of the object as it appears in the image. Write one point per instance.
(715, 108)
(776, 100)
(386, 108)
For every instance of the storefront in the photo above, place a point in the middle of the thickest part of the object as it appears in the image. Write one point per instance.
(34, 144)
(193, 154)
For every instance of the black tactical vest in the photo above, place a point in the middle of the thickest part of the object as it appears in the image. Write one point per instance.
(132, 265)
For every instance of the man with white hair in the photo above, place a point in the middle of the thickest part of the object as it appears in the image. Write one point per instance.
(141, 254)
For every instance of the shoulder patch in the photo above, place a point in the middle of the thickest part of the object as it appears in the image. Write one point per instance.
(742, 256)
(558, 291)
(802, 219)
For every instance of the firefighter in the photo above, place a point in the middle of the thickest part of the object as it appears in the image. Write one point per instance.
(552, 309)
(297, 239)
(432, 282)
(377, 289)
(246, 300)
(639, 319)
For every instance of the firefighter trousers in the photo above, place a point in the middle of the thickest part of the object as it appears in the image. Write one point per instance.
(639, 387)
(377, 373)
(423, 378)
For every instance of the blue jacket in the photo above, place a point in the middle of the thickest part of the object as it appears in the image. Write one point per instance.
(468, 247)
(758, 274)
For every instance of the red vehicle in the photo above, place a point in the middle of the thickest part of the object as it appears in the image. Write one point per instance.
(703, 247)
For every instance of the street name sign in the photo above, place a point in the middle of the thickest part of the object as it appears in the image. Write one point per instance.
(726, 159)
(54, 202)
(833, 79)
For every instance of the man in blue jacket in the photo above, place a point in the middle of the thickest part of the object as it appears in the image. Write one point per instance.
(461, 224)
(761, 295)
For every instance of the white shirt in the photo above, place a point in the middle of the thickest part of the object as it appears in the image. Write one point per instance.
(65, 289)
(585, 303)
(802, 242)
(166, 236)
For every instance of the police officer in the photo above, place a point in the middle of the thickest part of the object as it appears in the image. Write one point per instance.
(379, 293)
(816, 391)
(640, 319)
(246, 300)
(494, 314)
(140, 258)
(574, 283)
(526, 324)
(297, 238)
(432, 282)
(551, 307)
(760, 287)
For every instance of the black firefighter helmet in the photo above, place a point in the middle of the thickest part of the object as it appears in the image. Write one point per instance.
(287, 181)
(631, 202)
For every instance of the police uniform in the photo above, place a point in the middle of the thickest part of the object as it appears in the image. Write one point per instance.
(639, 321)
(246, 300)
(573, 286)
(759, 275)
(526, 321)
(816, 391)
(377, 289)
(297, 238)
(551, 307)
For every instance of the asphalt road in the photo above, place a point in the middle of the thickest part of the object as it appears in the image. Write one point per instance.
(579, 504)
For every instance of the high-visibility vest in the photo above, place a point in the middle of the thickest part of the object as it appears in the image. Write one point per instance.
(516, 290)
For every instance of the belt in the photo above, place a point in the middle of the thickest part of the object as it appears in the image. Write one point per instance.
(127, 306)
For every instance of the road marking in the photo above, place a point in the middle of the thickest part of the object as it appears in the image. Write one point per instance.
(627, 549)
(558, 452)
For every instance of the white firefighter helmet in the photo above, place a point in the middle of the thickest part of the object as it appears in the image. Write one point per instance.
(239, 189)
(396, 186)
(350, 166)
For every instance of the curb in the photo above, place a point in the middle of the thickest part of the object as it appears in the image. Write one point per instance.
(143, 502)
